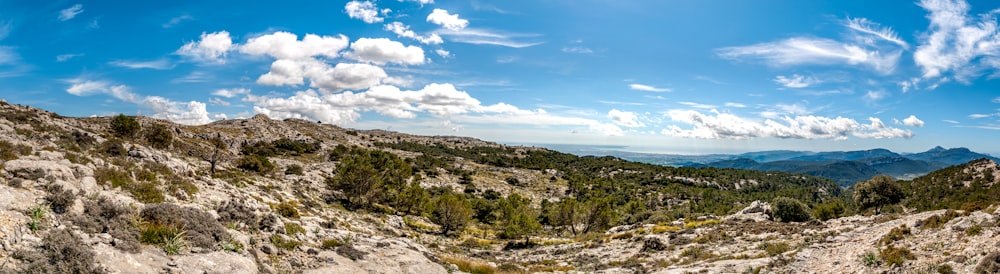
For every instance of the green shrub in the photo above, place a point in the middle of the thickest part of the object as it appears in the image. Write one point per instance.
(870, 259)
(773, 249)
(895, 256)
(331, 243)
(59, 252)
(974, 230)
(117, 178)
(287, 210)
(236, 211)
(293, 228)
(159, 136)
(146, 192)
(114, 148)
(280, 241)
(896, 234)
(9, 151)
(946, 269)
(105, 216)
(124, 126)
(202, 230)
(294, 170)
(255, 163)
(938, 220)
(790, 210)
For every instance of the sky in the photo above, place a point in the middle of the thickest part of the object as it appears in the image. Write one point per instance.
(686, 77)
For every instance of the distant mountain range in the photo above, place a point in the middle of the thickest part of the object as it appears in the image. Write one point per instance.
(844, 167)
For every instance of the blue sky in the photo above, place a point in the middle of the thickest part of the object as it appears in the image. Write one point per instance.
(689, 77)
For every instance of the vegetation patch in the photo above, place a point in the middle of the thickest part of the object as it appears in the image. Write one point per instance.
(938, 220)
(202, 230)
(470, 266)
(895, 256)
(283, 242)
(896, 234)
(60, 252)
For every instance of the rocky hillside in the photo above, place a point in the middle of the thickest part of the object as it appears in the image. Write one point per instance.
(140, 195)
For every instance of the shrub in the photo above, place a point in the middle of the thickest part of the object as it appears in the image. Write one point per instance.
(974, 230)
(790, 210)
(106, 216)
(896, 234)
(294, 170)
(895, 256)
(989, 264)
(773, 249)
(938, 220)
(870, 259)
(280, 241)
(159, 136)
(350, 252)
(293, 228)
(124, 126)
(470, 266)
(236, 211)
(331, 243)
(255, 163)
(451, 213)
(9, 151)
(946, 269)
(59, 198)
(147, 192)
(201, 229)
(287, 210)
(114, 148)
(117, 178)
(59, 252)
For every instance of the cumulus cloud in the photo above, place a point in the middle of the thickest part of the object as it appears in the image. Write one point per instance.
(381, 51)
(647, 88)
(189, 113)
(230, 93)
(322, 75)
(159, 64)
(449, 21)
(284, 45)
(624, 118)
(402, 30)
(366, 11)
(821, 51)
(913, 121)
(212, 47)
(965, 45)
(796, 81)
(716, 125)
(70, 12)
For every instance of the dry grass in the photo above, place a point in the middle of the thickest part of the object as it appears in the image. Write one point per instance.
(470, 265)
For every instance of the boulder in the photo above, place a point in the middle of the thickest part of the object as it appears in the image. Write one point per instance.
(35, 169)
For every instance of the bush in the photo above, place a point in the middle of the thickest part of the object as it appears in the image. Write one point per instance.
(106, 216)
(147, 192)
(877, 192)
(201, 229)
(293, 228)
(124, 126)
(280, 241)
(255, 163)
(9, 151)
(114, 148)
(159, 136)
(895, 256)
(331, 243)
(287, 210)
(989, 264)
(236, 211)
(294, 170)
(896, 234)
(59, 198)
(60, 252)
(451, 213)
(790, 210)
(937, 220)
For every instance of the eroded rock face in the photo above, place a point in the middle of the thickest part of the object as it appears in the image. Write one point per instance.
(39, 169)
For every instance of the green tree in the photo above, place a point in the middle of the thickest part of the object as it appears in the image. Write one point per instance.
(412, 199)
(450, 212)
(159, 136)
(598, 214)
(216, 153)
(368, 177)
(566, 213)
(790, 210)
(517, 217)
(877, 192)
(124, 126)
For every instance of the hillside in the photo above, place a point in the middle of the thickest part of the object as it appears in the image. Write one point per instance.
(139, 195)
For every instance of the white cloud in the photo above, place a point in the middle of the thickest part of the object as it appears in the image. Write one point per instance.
(806, 51)
(951, 122)
(870, 28)
(996, 100)
(443, 53)
(381, 51)
(402, 30)
(177, 20)
(189, 113)
(68, 13)
(487, 37)
(449, 21)
(577, 49)
(422, 2)
(697, 105)
(284, 45)
(967, 46)
(366, 11)
(980, 116)
(66, 57)
(913, 121)
(321, 75)
(796, 81)
(211, 48)
(624, 118)
(648, 88)
(875, 95)
(216, 101)
(159, 64)
(718, 125)
(230, 93)
(735, 105)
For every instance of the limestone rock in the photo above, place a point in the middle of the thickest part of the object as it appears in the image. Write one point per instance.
(39, 169)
